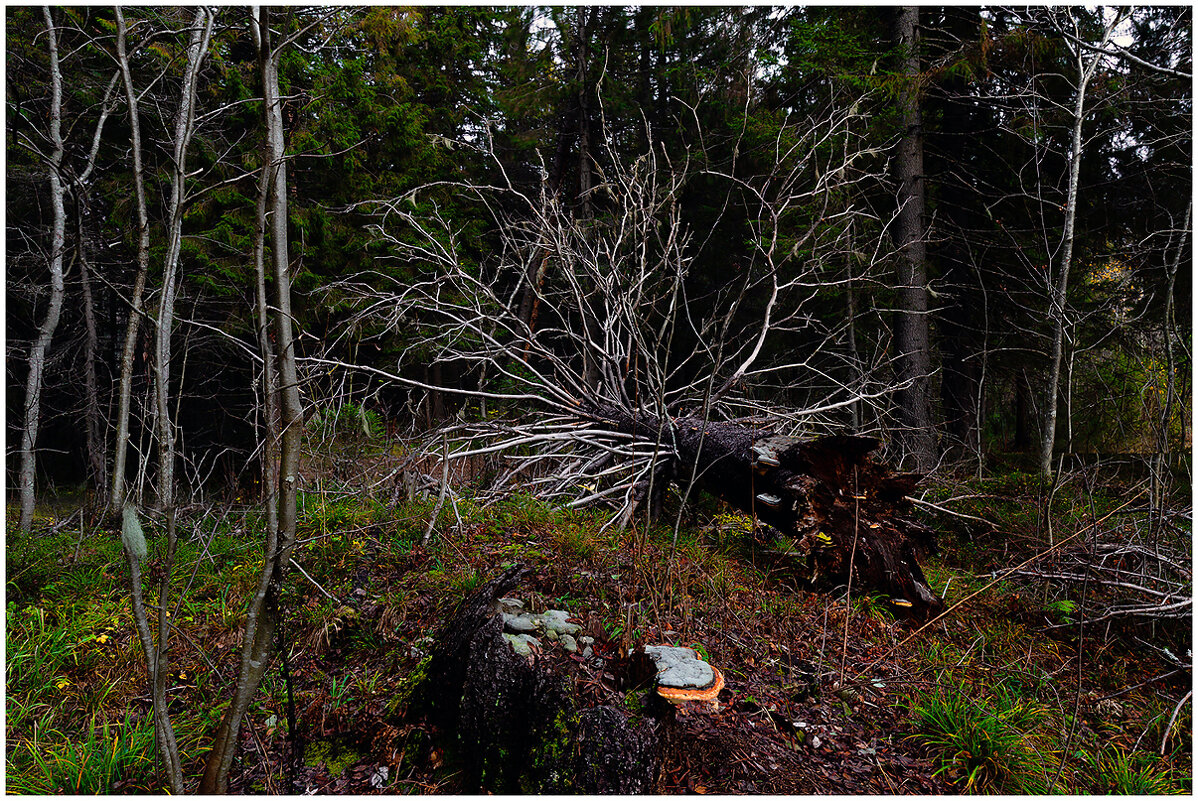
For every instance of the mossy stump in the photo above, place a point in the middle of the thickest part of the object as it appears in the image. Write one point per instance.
(516, 723)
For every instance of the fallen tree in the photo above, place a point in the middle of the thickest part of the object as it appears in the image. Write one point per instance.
(632, 373)
(843, 512)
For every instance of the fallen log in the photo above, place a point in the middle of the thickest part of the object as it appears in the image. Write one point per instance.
(844, 512)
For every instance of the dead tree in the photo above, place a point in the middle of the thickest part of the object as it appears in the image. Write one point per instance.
(625, 347)
(844, 513)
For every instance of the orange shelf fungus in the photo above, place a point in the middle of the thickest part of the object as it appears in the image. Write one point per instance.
(683, 676)
(680, 695)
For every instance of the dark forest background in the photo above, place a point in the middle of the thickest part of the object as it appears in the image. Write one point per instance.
(379, 101)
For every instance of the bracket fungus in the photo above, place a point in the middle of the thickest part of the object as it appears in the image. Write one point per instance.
(772, 501)
(683, 676)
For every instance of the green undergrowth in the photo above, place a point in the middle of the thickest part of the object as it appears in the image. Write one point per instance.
(1116, 771)
(1002, 710)
(993, 741)
(1000, 699)
(985, 697)
(1016, 505)
(106, 758)
(999, 728)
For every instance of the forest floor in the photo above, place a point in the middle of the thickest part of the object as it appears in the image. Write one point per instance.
(827, 692)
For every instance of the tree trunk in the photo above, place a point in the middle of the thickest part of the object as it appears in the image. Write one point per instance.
(844, 513)
(164, 732)
(581, 46)
(1160, 483)
(858, 373)
(264, 616)
(45, 332)
(96, 448)
(437, 397)
(962, 307)
(184, 128)
(1024, 413)
(1059, 290)
(93, 421)
(584, 29)
(538, 268)
(157, 660)
(911, 326)
(124, 390)
(521, 726)
(1056, 304)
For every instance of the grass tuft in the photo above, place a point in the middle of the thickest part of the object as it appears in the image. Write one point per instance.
(985, 744)
(1118, 772)
(107, 755)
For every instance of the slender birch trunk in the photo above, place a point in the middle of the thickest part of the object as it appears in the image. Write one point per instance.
(1059, 290)
(45, 332)
(156, 655)
(184, 128)
(124, 390)
(284, 419)
(1160, 484)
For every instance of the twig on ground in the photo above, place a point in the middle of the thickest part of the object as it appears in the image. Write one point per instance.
(314, 582)
(1173, 719)
(950, 512)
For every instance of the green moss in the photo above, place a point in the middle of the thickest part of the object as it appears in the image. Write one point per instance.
(334, 756)
(409, 688)
(634, 702)
(413, 745)
(551, 761)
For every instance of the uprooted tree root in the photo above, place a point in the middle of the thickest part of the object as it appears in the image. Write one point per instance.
(845, 513)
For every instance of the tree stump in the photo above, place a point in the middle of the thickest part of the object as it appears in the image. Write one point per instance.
(517, 722)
